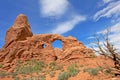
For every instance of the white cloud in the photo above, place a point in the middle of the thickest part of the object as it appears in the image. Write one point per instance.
(68, 25)
(54, 8)
(58, 9)
(107, 1)
(114, 36)
(112, 10)
(114, 29)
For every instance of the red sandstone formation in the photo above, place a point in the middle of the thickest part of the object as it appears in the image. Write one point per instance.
(21, 44)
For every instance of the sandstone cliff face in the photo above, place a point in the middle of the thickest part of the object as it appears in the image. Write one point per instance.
(19, 31)
(21, 44)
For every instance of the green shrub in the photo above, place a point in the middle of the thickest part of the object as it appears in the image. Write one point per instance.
(92, 71)
(53, 66)
(29, 67)
(36, 78)
(52, 74)
(14, 75)
(72, 70)
(16, 78)
(63, 76)
(100, 68)
(108, 71)
(1, 65)
(2, 74)
(42, 77)
(81, 65)
(93, 55)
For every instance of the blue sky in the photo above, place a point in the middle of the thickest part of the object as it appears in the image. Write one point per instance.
(78, 18)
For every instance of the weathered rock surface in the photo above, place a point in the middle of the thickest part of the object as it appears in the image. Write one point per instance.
(19, 31)
(21, 44)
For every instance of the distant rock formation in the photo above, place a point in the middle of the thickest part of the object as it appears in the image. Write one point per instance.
(21, 44)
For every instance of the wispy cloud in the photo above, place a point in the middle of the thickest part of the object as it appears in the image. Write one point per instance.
(112, 10)
(57, 8)
(68, 25)
(106, 1)
(113, 29)
(54, 8)
(113, 37)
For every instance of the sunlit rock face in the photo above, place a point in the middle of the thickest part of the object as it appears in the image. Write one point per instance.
(21, 44)
(19, 31)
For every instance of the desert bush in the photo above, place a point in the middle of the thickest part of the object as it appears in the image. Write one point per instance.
(52, 74)
(63, 76)
(91, 71)
(108, 71)
(81, 65)
(2, 74)
(53, 66)
(72, 70)
(93, 56)
(16, 78)
(1, 65)
(36, 78)
(30, 66)
(14, 74)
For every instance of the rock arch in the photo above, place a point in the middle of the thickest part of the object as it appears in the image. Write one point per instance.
(21, 44)
(57, 44)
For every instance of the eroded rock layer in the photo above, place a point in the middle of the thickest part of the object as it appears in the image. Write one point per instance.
(21, 44)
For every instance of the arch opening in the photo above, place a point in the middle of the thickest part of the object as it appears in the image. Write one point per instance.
(44, 45)
(57, 44)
